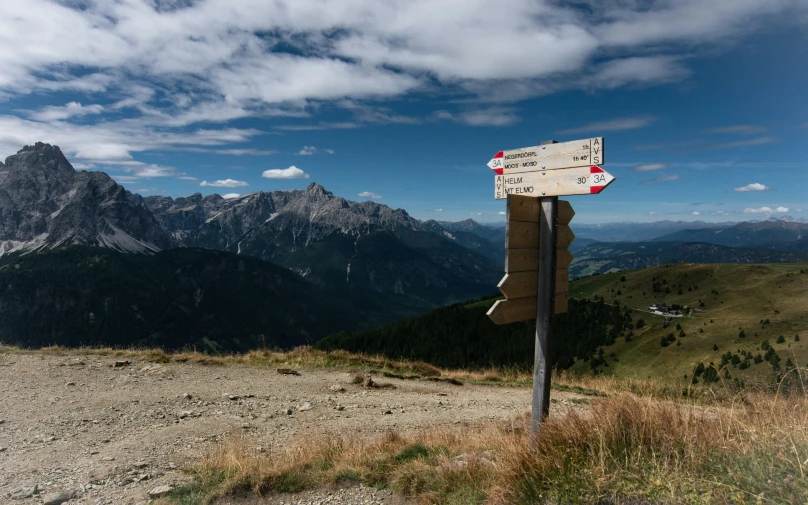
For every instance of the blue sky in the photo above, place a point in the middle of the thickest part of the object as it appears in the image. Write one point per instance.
(702, 103)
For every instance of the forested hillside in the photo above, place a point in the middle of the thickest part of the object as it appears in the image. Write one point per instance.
(179, 298)
(461, 335)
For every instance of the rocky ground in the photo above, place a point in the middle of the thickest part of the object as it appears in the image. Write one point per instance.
(79, 430)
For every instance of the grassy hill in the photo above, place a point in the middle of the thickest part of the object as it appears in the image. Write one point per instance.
(735, 309)
(738, 314)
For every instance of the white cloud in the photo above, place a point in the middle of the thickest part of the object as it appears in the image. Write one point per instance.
(798, 210)
(224, 183)
(310, 150)
(619, 124)
(742, 129)
(759, 210)
(501, 213)
(742, 143)
(649, 167)
(437, 210)
(652, 213)
(781, 209)
(369, 194)
(230, 196)
(72, 109)
(493, 116)
(663, 178)
(755, 186)
(695, 213)
(285, 173)
(244, 152)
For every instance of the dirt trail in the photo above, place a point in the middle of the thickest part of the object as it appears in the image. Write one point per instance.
(109, 435)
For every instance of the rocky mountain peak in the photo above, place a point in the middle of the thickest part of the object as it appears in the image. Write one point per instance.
(40, 156)
(315, 189)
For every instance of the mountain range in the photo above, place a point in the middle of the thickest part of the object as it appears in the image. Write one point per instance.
(379, 261)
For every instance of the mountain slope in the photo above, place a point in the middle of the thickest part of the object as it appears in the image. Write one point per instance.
(364, 249)
(45, 203)
(736, 309)
(214, 301)
(772, 234)
(601, 257)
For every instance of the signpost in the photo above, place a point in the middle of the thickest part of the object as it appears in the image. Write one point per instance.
(553, 156)
(536, 279)
(571, 181)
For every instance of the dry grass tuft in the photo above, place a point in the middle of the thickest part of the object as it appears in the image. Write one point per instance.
(623, 449)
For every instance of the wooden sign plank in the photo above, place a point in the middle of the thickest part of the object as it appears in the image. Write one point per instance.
(569, 181)
(521, 235)
(565, 212)
(561, 303)
(523, 208)
(526, 284)
(522, 309)
(512, 311)
(564, 236)
(563, 257)
(523, 260)
(576, 153)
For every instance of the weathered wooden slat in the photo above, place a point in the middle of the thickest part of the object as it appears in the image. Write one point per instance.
(523, 208)
(561, 303)
(564, 236)
(522, 309)
(523, 260)
(565, 212)
(512, 311)
(521, 235)
(563, 258)
(525, 284)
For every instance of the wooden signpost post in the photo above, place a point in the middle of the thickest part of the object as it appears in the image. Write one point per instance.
(536, 279)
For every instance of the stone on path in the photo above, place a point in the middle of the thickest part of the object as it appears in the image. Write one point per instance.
(24, 491)
(160, 491)
(56, 498)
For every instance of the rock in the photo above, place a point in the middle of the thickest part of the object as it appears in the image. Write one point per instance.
(71, 383)
(185, 413)
(289, 412)
(3, 449)
(121, 363)
(140, 464)
(367, 381)
(388, 411)
(304, 406)
(288, 371)
(160, 491)
(187, 396)
(24, 491)
(232, 397)
(337, 388)
(56, 498)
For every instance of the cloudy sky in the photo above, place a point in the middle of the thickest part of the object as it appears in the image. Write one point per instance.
(702, 102)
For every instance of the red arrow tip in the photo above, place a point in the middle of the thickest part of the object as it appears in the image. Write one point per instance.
(594, 169)
(499, 155)
(498, 171)
(594, 190)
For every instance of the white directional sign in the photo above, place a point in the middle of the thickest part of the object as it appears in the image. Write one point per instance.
(571, 181)
(577, 153)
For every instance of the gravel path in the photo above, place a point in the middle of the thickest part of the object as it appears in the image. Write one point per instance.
(110, 435)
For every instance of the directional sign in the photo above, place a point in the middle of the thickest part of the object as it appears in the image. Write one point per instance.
(526, 235)
(523, 260)
(577, 153)
(522, 309)
(526, 284)
(570, 181)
